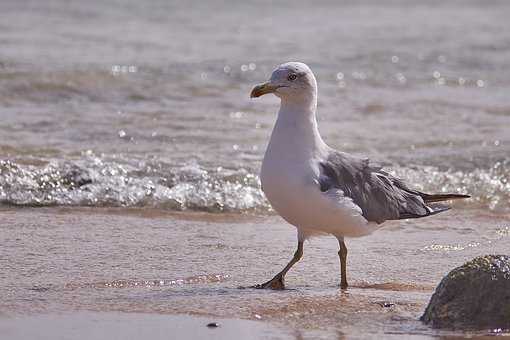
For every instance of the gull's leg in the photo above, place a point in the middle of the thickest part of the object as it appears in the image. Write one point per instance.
(342, 253)
(278, 282)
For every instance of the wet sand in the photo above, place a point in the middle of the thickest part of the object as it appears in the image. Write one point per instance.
(60, 262)
(114, 325)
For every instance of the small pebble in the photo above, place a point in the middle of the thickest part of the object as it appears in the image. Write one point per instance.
(213, 325)
(386, 304)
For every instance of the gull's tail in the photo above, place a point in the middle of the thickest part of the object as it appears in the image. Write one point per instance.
(436, 208)
(430, 198)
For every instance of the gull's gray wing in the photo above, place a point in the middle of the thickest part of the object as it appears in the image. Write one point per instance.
(380, 196)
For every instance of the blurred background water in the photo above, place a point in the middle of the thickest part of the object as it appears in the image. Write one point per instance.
(146, 103)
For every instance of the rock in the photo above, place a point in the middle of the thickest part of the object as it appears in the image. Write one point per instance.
(474, 296)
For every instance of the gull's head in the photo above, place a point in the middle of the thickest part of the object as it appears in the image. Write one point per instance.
(289, 81)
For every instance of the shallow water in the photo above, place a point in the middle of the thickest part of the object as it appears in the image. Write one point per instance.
(130, 151)
(68, 259)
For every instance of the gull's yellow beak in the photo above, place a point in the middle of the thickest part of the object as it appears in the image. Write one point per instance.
(262, 89)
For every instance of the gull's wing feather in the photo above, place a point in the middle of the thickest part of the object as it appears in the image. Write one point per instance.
(380, 196)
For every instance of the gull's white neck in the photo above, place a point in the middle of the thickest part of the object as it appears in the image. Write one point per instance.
(296, 129)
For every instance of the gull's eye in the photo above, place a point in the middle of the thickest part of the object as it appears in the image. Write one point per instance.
(292, 77)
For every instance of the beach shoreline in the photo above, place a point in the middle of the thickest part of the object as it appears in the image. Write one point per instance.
(131, 152)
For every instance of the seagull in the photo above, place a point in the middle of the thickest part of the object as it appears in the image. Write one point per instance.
(320, 190)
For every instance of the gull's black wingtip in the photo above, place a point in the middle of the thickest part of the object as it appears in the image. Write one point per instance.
(427, 198)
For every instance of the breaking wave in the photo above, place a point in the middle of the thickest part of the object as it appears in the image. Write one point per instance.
(113, 181)
(97, 181)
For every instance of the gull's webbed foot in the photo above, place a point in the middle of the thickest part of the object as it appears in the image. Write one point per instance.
(276, 283)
